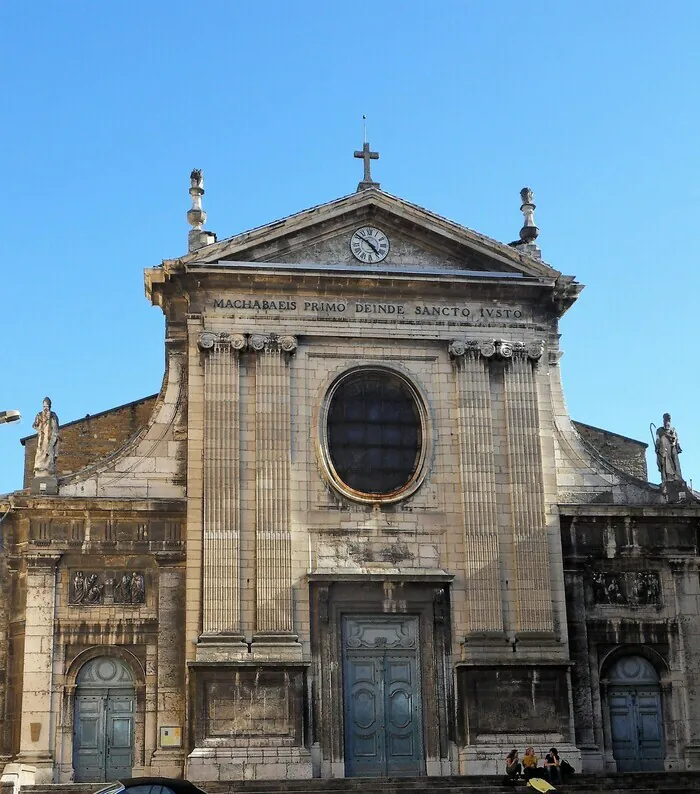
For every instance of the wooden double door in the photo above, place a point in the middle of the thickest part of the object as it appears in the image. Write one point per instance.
(382, 696)
(634, 700)
(103, 725)
(635, 720)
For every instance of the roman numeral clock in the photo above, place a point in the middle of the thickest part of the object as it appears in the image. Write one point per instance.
(369, 245)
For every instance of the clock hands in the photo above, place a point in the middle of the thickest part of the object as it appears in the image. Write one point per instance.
(372, 244)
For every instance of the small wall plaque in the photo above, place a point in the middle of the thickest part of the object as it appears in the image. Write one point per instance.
(170, 736)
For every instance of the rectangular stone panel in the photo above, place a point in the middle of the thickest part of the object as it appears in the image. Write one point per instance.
(249, 703)
(507, 700)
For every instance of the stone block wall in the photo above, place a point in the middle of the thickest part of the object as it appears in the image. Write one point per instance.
(624, 453)
(87, 440)
(633, 589)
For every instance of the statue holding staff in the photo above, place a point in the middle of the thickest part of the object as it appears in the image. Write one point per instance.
(47, 441)
(667, 451)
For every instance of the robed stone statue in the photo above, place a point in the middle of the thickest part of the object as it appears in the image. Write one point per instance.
(48, 437)
(667, 451)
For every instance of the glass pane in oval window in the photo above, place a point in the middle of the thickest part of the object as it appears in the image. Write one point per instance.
(374, 433)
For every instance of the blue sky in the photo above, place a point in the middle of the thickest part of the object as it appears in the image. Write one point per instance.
(108, 106)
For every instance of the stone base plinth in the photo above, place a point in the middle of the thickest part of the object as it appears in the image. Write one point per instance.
(44, 486)
(592, 759)
(19, 775)
(167, 763)
(248, 763)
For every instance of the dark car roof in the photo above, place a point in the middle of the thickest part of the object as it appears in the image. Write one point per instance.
(179, 786)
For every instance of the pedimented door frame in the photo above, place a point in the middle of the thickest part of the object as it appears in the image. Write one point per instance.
(332, 597)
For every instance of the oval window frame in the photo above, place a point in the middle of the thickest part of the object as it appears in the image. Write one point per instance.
(418, 476)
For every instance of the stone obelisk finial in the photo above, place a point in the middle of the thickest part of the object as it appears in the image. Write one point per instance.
(196, 216)
(529, 232)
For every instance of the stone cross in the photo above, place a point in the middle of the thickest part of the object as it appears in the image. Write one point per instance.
(367, 155)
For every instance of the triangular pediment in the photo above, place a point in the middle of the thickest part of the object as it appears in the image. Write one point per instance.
(419, 239)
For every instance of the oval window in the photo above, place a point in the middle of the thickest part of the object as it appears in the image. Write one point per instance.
(374, 434)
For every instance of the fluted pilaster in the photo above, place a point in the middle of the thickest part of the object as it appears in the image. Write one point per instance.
(273, 546)
(534, 596)
(221, 552)
(481, 543)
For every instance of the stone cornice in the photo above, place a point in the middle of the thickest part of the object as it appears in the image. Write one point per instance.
(690, 512)
(39, 560)
(25, 505)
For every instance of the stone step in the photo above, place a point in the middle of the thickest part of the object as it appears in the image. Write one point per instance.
(630, 783)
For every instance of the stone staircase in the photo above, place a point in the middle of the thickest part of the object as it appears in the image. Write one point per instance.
(630, 783)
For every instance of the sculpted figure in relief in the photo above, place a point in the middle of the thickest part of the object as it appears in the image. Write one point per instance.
(667, 451)
(93, 590)
(78, 594)
(138, 589)
(48, 438)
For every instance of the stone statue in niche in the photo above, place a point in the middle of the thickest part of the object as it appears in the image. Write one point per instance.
(667, 451)
(48, 437)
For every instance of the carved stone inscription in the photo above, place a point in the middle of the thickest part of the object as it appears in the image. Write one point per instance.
(349, 308)
(107, 587)
(632, 588)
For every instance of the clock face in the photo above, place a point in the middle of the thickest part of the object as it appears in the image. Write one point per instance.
(369, 244)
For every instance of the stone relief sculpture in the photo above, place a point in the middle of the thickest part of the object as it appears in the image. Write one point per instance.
(667, 451)
(138, 590)
(77, 595)
(48, 439)
(635, 588)
(93, 589)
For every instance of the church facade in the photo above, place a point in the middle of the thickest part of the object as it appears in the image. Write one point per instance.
(355, 534)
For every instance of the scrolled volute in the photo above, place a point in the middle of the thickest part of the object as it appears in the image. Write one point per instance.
(273, 343)
(208, 340)
(496, 348)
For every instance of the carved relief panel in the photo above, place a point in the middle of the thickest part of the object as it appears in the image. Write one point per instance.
(629, 588)
(90, 588)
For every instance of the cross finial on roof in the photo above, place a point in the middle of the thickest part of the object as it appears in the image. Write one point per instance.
(366, 155)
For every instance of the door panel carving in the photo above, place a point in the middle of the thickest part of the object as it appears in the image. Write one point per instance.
(383, 732)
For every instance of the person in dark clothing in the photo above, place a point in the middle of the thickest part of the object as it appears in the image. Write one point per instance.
(552, 766)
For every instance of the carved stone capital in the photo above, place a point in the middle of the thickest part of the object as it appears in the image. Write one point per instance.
(496, 348)
(272, 343)
(208, 340)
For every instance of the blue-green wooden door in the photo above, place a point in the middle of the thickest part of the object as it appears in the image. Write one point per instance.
(103, 728)
(382, 701)
(634, 699)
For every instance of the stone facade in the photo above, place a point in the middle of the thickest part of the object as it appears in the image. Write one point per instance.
(263, 595)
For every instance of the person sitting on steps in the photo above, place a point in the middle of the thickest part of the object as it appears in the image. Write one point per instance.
(552, 766)
(530, 763)
(513, 765)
